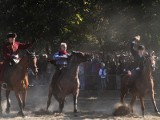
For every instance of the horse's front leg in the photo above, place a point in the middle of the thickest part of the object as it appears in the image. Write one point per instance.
(8, 102)
(24, 94)
(142, 105)
(19, 102)
(154, 102)
(50, 93)
(61, 104)
(75, 97)
(0, 101)
(123, 93)
(132, 102)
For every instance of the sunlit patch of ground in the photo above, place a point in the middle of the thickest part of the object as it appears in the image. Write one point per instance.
(91, 104)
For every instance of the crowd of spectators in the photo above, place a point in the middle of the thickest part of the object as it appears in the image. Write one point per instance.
(107, 74)
(90, 73)
(93, 75)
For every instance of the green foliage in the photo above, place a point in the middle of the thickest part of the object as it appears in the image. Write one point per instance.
(90, 25)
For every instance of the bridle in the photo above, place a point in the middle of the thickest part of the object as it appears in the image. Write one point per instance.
(32, 56)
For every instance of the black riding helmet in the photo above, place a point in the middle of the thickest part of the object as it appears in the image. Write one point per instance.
(141, 47)
(11, 35)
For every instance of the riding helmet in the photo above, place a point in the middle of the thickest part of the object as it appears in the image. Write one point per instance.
(11, 35)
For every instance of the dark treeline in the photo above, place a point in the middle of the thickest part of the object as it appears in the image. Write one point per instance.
(86, 25)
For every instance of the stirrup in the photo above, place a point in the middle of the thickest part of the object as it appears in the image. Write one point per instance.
(2, 86)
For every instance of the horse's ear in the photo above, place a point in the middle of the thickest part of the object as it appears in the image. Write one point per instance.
(147, 54)
(153, 53)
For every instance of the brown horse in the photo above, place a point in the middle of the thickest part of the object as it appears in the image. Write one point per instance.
(142, 85)
(68, 82)
(17, 79)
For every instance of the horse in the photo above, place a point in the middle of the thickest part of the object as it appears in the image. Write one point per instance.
(68, 81)
(17, 79)
(142, 85)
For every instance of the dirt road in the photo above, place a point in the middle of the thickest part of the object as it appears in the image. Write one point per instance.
(91, 104)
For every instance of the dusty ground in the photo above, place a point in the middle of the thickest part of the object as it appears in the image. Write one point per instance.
(91, 104)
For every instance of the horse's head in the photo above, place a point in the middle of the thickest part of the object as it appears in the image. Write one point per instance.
(80, 57)
(32, 61)
(150, 61)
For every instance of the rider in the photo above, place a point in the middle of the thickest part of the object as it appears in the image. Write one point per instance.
(10, 54)
(135, 73)
(134, 45)
(140, 59)
(61, 56)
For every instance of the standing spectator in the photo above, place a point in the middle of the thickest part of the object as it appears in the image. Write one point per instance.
(103, 76)
(86, 67)
(112, 73)
(95, 66)
(119, 73)
(134, 46)
(81, 77)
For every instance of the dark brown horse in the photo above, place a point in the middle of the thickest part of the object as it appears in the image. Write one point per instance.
(142, 85)
(17, 79)
(68, 82)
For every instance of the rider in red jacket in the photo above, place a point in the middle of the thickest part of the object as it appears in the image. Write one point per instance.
(10, 52)
(11, 48)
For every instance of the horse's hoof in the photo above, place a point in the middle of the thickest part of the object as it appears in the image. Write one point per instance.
(20, 113)
(158, 113)
(7, 111)
(60, 112)
(75, 111)
(46, 110)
